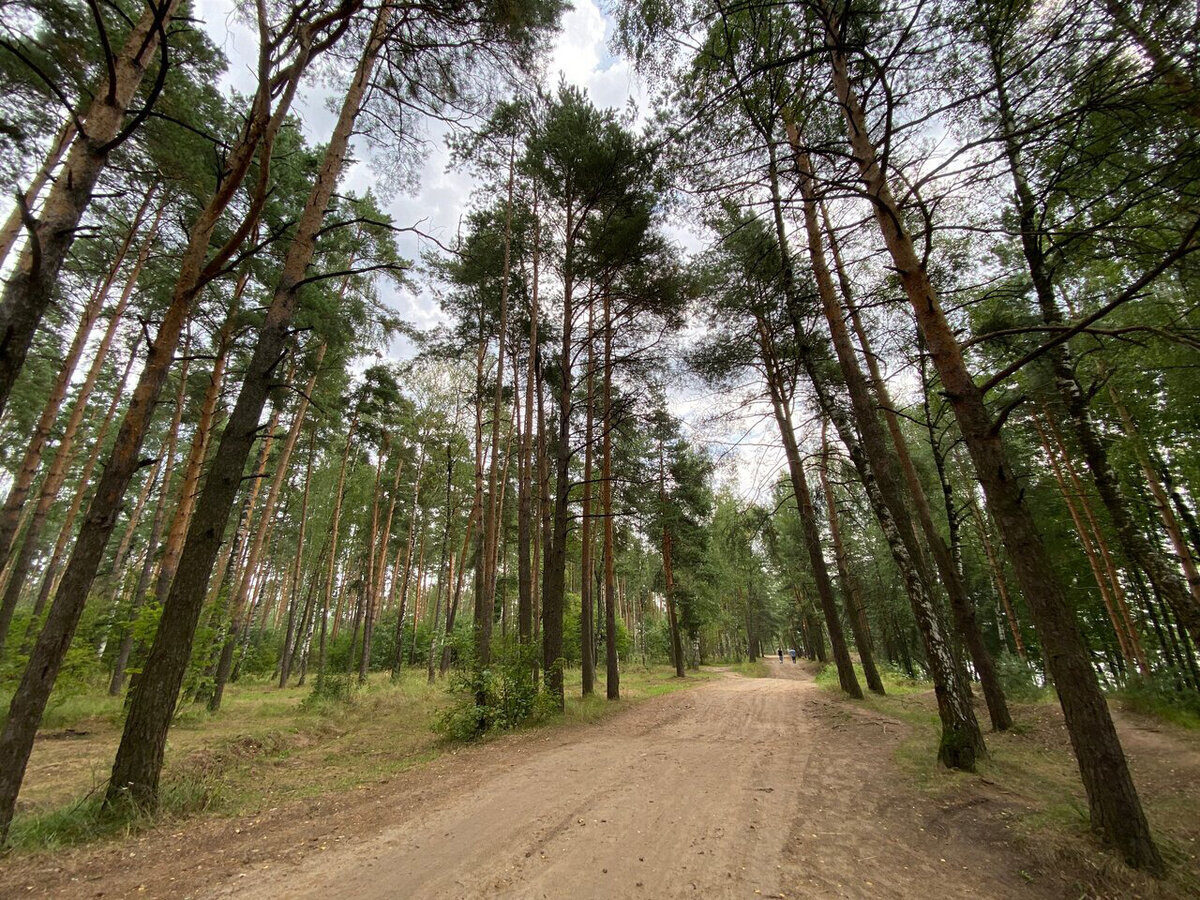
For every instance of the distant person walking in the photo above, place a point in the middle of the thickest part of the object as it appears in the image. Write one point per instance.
(792, 654)
(781, 654)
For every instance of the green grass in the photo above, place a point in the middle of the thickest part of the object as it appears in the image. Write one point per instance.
(266, 747)
(1160, 701)
(750, 668)
(895, 683)
(1033, 769)
(637, 683)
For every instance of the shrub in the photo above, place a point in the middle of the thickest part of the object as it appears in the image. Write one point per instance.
(500, 697)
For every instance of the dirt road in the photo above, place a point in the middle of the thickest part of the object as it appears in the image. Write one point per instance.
(736, 789)
(741, 787)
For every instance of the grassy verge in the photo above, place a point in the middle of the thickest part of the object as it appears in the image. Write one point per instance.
(1031, 773)
(751, 668)
(266, 747)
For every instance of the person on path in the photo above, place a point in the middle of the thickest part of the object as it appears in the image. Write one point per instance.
(781, 654)
(792, 654)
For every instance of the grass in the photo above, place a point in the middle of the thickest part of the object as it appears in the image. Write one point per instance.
(750, 668)
(1036, 781)
(264, 748)
(1161, 702)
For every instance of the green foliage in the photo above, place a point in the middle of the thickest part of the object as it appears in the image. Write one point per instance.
(1161, 698)
(1018, 679)
(500, 697)
(331, 687)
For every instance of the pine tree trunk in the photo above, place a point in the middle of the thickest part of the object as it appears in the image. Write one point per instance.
(248, 568)
(961, 739)
(29, 700)
(443, 575)
(1116, 810)
(398, 661)
(808, 520)
(554, 574)
(612, 671)
(587, 627)
(12, 225)
(854, 608)
(139, 757)
(1087, 542)
(30, 287)
(194, 467)
(1165, 578)
(525, 571)
(962, 607)
(27, 471)
(293, 636)
(67, 526)
(114, 583)
(117, 683)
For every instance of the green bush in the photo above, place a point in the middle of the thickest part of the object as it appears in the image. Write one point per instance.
(332, 687)
(500, 697)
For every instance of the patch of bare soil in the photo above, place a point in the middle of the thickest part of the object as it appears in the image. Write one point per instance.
(741, 787)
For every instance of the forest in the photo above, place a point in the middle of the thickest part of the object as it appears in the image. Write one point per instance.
(867, 329)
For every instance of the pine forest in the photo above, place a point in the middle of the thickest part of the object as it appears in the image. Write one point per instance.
(634, 448)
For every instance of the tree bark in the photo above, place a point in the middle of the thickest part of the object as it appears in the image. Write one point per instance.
(1116, 810)
(808, 519)
(139, 757)
(30, 287)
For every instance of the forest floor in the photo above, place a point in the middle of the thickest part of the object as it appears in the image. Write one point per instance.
(740, 787)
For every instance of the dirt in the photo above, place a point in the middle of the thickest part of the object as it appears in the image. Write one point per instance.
(741, 787)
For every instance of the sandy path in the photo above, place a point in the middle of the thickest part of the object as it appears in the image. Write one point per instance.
(741, 787)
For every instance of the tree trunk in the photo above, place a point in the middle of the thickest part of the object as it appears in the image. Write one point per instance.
(117, 682)
(443, 576)
(31, 285)
(29, 700)
(54, 480)
(12, 225)
(554, 575)
(25, 474)
(808, 519)
(525, 571)
(248, 569)
(961, 739)
(398, 661)
(194, 467)
(289, 650)
(854, 608)
(587, 627)
(612, 671)
(139, 757)
(1165, 578)
(1116, 810)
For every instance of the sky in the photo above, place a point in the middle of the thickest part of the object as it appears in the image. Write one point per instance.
(749, 460)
